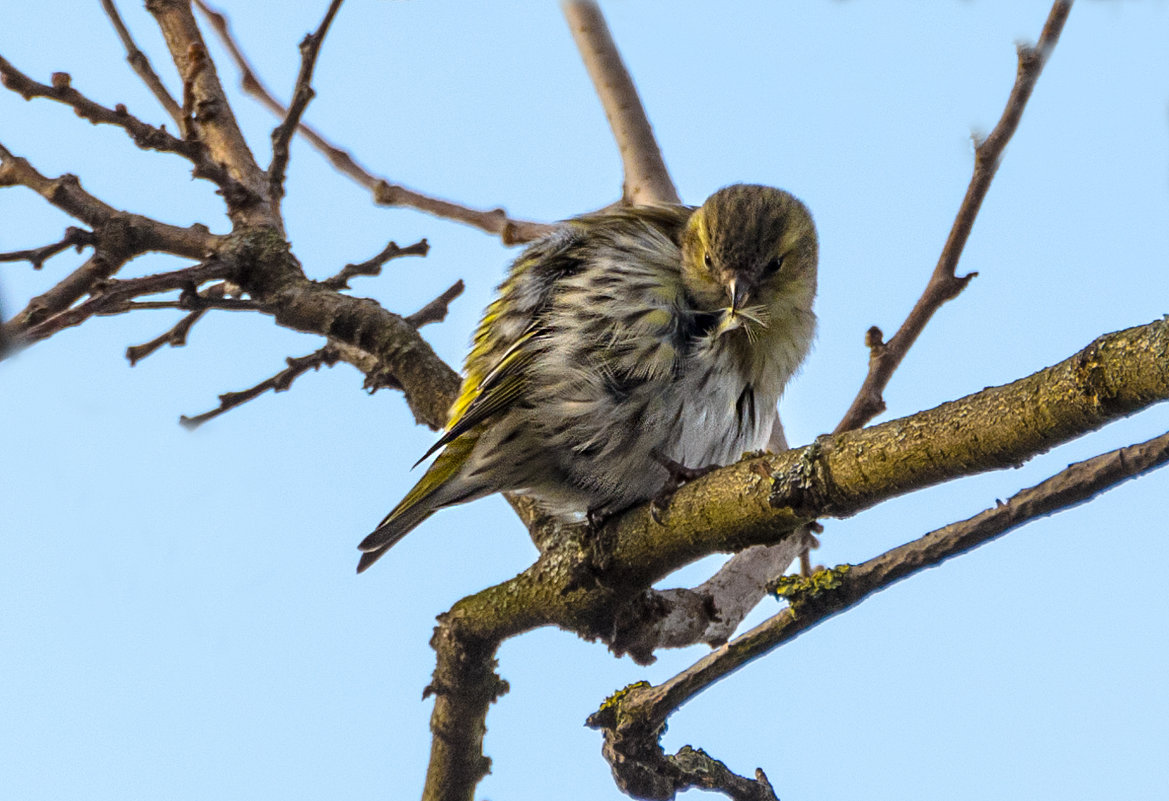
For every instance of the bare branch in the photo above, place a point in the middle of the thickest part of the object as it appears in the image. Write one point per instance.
(112, 295)
(135, 234)
(762, 500)
(141, 65)
(436, 310)
(944, 284)
(176, 336)
(301, 95)
(143, 135)
(74, 237)
(373, 266)
(708, 613)
(280, 382)
(384, 191)
(209, 116)
(646, 179)
(97, 268)
(632, 723)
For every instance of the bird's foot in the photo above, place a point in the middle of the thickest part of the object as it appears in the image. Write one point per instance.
(679, 474)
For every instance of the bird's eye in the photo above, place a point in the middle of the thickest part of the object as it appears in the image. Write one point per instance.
(772, 267)
(707, 260)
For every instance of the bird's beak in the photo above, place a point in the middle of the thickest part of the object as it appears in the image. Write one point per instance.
(739, 293)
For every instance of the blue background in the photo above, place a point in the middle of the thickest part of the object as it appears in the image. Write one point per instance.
(178, 612)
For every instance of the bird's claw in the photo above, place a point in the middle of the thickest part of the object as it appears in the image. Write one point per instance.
(679, 474)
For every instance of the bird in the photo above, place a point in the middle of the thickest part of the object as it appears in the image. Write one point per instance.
(623, 351)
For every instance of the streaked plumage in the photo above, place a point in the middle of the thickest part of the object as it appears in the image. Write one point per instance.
(622, 335)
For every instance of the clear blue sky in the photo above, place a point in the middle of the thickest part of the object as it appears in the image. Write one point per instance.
(179, 616)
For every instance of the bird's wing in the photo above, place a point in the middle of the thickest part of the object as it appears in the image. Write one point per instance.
(512, 330)
(496, 370)
(495, 393)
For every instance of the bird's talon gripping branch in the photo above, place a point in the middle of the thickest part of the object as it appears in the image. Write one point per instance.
(679, 474)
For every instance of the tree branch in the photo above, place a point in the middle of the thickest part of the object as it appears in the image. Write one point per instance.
(944, 284)
(110, 294)
(436, 310)
(74, 237)
(646, 179)
(301, 95)
(280, 382)
(373, 266)
(384, 192)
(633, 721)
(268, 272)
(141, 65)
(135, 233)
(209, 115)
(145, 136)
(585, 585)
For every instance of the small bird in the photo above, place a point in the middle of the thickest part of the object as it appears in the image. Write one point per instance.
(622, 349)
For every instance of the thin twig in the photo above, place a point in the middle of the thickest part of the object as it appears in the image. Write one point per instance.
(646, 179)
(74, 237)
(175, 337)
(326, 356)
(832, 592)
(310, 47)
(144, 135)
(384, 191)
(141, 65)
(436, 310)
(944, 284)
(373, 266)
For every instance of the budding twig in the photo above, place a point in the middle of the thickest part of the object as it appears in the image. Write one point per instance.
(436, 310)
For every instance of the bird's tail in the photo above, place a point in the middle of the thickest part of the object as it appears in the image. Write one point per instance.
(389, 531)
(440, 486)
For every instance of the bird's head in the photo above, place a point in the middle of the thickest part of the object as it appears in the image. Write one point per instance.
(750, 251)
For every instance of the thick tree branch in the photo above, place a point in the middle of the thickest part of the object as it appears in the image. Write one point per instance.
(384, 191)
(944, 284)
(646, 179)
(141, 65)
(268, 272)
(302, 94)
(209, 115)
(585, 586)
(633, 720)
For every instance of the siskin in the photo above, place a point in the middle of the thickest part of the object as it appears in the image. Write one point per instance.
(621, 347)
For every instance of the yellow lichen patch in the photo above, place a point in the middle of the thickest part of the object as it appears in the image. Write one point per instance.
(799, 590)
(613, 700)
